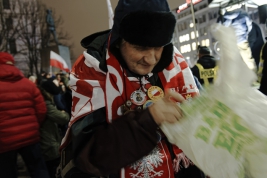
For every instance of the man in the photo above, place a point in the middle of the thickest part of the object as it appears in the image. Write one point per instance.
(50, 132)
(112, 132)
(255, 40)
(239, 20)
(205, 61)
(22, 110)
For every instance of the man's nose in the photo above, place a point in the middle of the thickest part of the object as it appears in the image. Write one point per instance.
(150, 57)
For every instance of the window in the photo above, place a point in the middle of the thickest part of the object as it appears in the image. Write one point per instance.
(193, 35)
(203, 43)
(207, 42)
(185, 25)
(12, 46)
(200, 20)
(9, 23)
(6, 4)
(181, 39)
(205, 30)
(187, 38)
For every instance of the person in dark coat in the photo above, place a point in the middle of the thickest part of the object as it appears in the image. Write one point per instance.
(263, 82)
(206, 60)
(121, 90)
(50, 134)
(255, 40)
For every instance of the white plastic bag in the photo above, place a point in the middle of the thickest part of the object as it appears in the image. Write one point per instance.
(224, 130)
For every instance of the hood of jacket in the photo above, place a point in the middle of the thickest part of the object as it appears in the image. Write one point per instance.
(207, 61)
(10, 73)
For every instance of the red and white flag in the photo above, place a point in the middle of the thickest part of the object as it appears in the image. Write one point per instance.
(58, 62)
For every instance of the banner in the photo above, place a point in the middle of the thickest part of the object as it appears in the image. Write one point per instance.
(58, 62)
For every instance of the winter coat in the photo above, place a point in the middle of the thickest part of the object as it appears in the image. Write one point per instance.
(22, 110)
(90, 132)
(207, 62)
(50, 137)
(263, 85)
(256, 42)
(239, 20)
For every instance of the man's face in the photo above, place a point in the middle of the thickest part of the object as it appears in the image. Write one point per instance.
(58, 77)
(140, 60)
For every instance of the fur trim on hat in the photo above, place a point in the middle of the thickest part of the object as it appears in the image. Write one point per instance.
(6, 58)
(147, 28)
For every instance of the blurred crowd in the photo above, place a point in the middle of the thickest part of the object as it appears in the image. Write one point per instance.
(34, 117)
(35, 110)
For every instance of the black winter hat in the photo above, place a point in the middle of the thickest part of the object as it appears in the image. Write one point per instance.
(203, 50)
(143, 22)
(50, 87)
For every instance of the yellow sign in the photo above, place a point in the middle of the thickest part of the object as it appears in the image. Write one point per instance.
(207, 73)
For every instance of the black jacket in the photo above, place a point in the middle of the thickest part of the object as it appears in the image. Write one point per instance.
(207, 62)
(255, 41)
(110, 144)
(263, 85)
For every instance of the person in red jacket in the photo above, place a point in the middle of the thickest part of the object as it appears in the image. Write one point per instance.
(22, 110)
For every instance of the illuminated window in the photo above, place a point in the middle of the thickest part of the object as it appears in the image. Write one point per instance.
(207, 42)
(189, 48)
(203, 43)
(180, 39)
(192, 35)
(187, 38)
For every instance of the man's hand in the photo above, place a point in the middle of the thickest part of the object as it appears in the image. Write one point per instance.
(166, 109)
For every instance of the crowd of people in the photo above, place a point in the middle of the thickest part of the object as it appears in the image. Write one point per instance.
(104, 120)
(33, 120)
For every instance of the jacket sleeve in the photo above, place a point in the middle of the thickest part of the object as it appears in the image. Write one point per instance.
(108, 147)
(263, 85)
(39, 104)
(56, 115)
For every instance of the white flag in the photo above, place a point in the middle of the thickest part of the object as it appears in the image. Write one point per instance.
(110, 14)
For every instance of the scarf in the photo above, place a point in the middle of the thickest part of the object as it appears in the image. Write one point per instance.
(93, 89)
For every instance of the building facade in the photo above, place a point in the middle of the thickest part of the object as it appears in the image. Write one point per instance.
(20, 32)
(187, 40)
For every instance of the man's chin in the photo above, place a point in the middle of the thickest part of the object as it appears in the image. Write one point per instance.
(143, 72)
